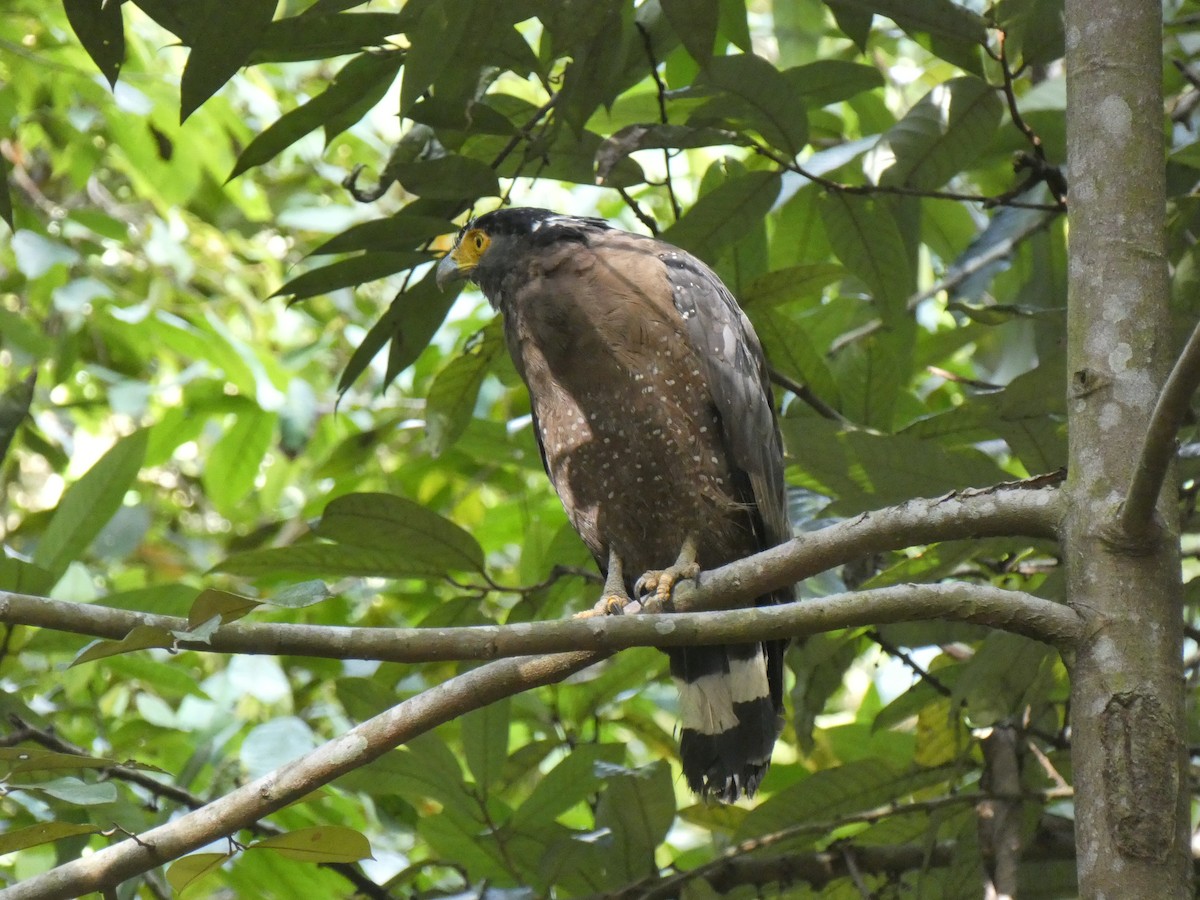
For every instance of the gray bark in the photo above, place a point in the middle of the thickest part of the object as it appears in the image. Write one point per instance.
(1127, 690)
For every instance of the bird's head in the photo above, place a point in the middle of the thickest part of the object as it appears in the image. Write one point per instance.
(490, 243)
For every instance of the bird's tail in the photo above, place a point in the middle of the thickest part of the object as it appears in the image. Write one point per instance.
(730, 700)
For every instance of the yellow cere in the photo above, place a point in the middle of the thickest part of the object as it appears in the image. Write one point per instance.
(470, 247)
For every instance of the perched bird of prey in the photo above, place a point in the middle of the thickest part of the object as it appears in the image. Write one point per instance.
(654, 416)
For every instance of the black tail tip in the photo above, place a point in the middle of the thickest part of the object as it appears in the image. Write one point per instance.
(727, 787)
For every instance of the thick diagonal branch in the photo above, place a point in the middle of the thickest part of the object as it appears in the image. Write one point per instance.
(997, 511)
(1158, 447)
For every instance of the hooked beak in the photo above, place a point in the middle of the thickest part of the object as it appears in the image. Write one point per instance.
(448, 271)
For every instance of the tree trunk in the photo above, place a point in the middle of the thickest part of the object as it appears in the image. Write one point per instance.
(1127, 711)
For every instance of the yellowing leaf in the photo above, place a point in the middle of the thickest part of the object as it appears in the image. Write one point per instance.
(183, 873)
(322, 843)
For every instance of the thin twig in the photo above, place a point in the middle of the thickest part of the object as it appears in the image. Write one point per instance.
(1039, 167)
(661, 89)
(1159, 446)
(804, 393)
(953, 278)
(902, 191)
(920, 671)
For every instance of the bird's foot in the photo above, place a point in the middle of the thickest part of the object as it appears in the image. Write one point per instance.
(608, 605)
(654, 588)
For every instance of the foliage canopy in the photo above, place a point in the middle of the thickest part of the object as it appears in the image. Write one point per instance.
(232, 390)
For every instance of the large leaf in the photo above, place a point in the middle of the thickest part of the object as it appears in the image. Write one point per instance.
(695, 21)
(447, 178)
(944, 133)
(867, 239)
(942, 18)
(222, 39)
(101, 30)
(233, 462)
(42, 833)
(825, 795)
(89, 503)
(358, 86)
(320, 844)
(724, 214)
(568, 783)
(632, 138)
(754, 93)
(828, 81)
(317, 36)
(402, 231)
(638, 807)
(485, 743)
(349, 273)
(430, 543)
(185, 872)
(455, 390)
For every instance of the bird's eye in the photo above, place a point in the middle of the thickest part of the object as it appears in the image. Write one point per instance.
(479, 242)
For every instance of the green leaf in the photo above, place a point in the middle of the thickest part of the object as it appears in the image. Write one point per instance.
(6, 209)
(866, 471)
(996, 680)
(1033, 29)
(21, 577)
(829, 81)
(570, 782)
(944, 133)
(319, 844)
(431, 544)
(309, 36)
(14, 411)
(455, 389)
(449, 177)
(298, 596)
(825, 795)
(42, 833)
(790, 284)
(140, 637)
(632, 138)
(185, 872)
(101, 30)
(400, 232)
(436, 41)
(791, 351)
(409, 324)
(485, 743)
(942, 18)
(695, 21)
(424, 769)
(358, 86)
(17, 760)
(755, 93)
(233, 462)
(638, 807)
(212, 603)
(222, 39)
(867, 239)
(73, 790)
(724, 214)
(88, 504)
(274, 744)
(349, 273)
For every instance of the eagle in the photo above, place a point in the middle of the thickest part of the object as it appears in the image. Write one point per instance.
(656, 424)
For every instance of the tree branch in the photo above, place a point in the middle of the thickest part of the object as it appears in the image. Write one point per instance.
(245, 805)
(1158, 448)
(999, 510)
(1002, 510)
